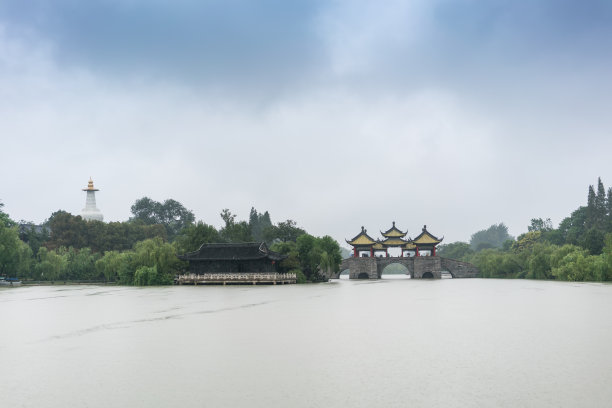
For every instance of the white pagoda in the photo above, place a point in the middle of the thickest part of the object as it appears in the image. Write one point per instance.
(90, 212)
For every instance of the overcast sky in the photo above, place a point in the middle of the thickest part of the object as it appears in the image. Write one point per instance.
(457, 114)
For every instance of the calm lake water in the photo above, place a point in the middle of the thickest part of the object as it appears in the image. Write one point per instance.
(387, 343)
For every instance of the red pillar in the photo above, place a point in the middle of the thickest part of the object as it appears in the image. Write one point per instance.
(355, 252)
(371, 252)
(433, 252)
(417, 252)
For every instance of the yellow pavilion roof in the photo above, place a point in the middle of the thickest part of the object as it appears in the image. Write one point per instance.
(409, 245)
(378, 246)
(361, 239)
(426, 238)
(393, 232)
(394, 242)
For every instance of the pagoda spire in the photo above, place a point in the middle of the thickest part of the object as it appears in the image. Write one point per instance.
(91, 212)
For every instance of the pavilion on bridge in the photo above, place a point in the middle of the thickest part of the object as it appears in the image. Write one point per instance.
(365, 246)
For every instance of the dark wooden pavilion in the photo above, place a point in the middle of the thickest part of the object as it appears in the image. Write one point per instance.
(249, 257)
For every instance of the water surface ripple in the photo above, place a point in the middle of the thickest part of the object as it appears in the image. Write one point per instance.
(387, 343)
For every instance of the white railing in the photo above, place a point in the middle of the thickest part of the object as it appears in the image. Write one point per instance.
(237, 277)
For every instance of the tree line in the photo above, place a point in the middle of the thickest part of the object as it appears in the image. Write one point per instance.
(579, 249)
(142, 250)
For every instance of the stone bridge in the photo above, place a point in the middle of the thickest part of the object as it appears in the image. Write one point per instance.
(418, 267)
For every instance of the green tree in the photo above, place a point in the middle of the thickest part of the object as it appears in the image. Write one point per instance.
(561, 252)
(109, 265)
(331, 253)
(526, 241)
(596, 207)
(492, 237)
(493, 263)
(67, 230)
(192, 237)
(573, 227)
(35, 236)
(175, 217)
(284, 231)
(318, 255)
(606, 257)
(51, 265)
(609, 211)
(600, 206)
(15, 259)
(126, 268)
(539, 262)
(162, 255)
(538, 224)
(591, 210)
(148, 276)
(292, 262)
(234, 231)
(4, 217)
(305, 246)
(80, 264)
(25, 262)
(146, 211)
(258, 223)
(171, 214)
(593, 241)
(455, 250)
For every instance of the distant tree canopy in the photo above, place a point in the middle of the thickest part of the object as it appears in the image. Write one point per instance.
(171, 214)
(14, 253)
(580, 249)
(67, 230)
(455, 250)
(284, 231)
(142, 251)
(4, 218)
(492, 237)
(538, 224)
(33, 235)
(259, 223)
(192, 237)
(234, 231)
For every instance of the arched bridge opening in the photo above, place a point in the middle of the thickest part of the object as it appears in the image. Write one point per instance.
(395, 270)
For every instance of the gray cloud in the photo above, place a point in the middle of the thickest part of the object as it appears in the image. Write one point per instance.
(452, 114)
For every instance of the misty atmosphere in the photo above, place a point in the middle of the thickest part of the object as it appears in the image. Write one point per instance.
(305, 203)
(459, 114)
